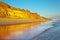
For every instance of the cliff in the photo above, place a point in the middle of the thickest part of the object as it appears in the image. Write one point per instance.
(7, 11)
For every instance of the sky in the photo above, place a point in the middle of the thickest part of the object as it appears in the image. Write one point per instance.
(46, 8)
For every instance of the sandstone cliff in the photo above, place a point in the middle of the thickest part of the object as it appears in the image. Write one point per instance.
(7, 11)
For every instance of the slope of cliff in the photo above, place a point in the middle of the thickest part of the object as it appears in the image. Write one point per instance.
(7, 11)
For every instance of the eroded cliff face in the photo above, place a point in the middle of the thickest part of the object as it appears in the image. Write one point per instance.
(7, 11)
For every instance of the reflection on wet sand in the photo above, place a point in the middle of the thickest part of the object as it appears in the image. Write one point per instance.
(16, 31)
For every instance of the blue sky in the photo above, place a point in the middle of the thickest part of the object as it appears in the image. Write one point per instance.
(46, 8)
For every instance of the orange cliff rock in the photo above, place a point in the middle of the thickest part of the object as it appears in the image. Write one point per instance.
(7, 11)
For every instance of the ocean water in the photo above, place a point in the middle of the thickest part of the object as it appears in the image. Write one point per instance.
(52, 33)
(47, 31)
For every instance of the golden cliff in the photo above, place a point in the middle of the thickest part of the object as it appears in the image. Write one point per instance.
(7, 11)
